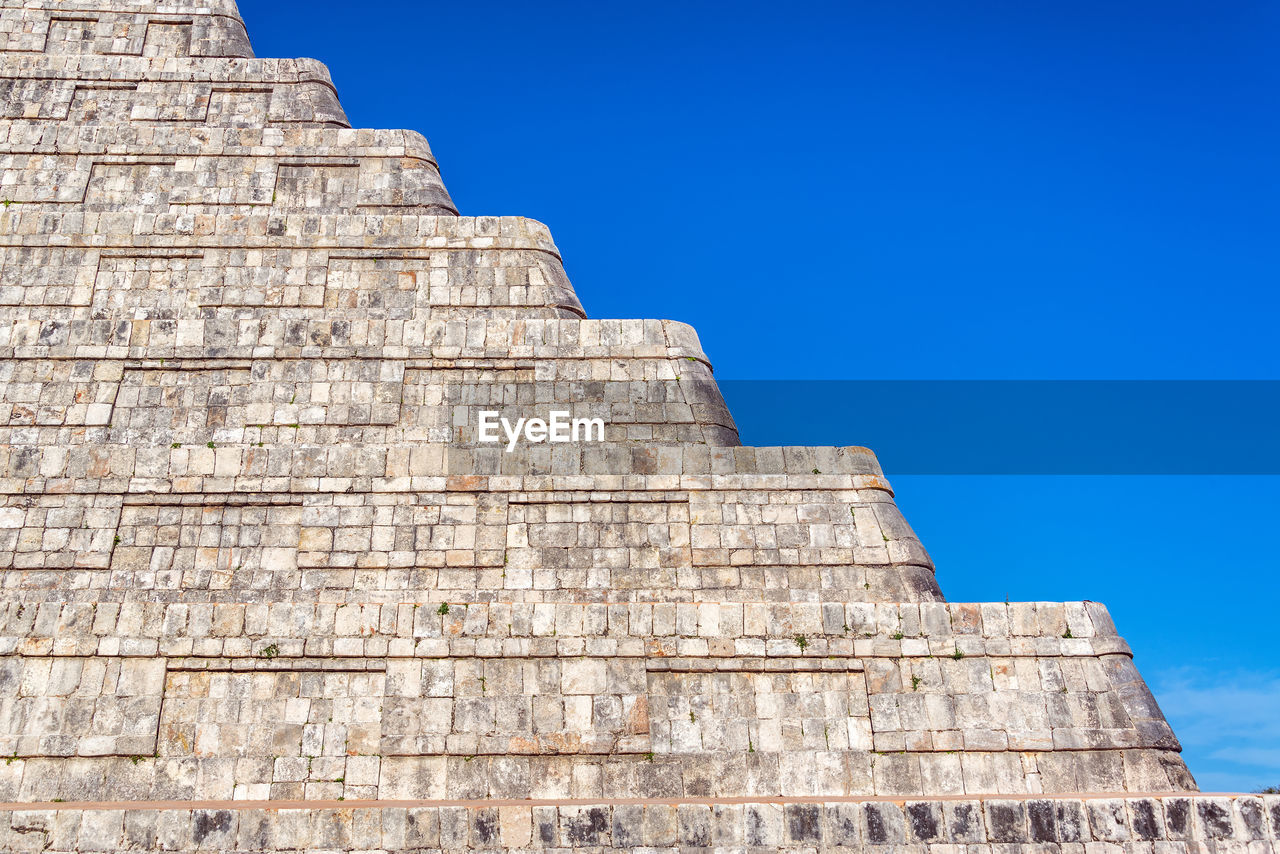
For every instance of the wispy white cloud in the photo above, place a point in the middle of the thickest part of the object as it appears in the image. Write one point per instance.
(1228, 722)
(1263, 757)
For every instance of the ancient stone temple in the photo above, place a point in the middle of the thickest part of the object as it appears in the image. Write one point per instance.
(268, 587)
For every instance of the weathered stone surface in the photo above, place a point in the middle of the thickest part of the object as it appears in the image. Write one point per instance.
(254, 548)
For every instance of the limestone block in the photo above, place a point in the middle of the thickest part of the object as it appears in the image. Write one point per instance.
(253, 548)
(103, 29)
(116, 89)
(79, 706)
(59, 532)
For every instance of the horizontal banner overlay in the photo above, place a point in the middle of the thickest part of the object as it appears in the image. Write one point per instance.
(1072, 427)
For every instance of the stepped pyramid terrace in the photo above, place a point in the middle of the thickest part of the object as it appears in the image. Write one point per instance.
(276, 577)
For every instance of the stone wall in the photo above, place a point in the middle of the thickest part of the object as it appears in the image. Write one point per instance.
(209, 170)
(1171, 824)
(85, 28)
(262, 578)
(441, 699)
(600, 538)
(161, 90)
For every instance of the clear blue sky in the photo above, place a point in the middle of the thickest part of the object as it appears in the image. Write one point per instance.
(911, 190)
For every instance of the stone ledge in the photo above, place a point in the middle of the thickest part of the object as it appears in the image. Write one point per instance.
(749, 653)
(38, 227)
(212, 29)
(26, 136)
(1094, 822)
(81, 68)
(874, 629)
(225, 8)
(495, 628)
(436, 467)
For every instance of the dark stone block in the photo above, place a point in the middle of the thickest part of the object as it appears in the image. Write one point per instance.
(139, 828)
(964, 822)
(455, 826)
(842, 826)
(803, 822)
(484, 825)
(658, 780)
(754, 826)
(1251, 815)
(1071, 822)
(52, 333)
(1177, 818)
(207, 823)
(588, 827)
(1215, 820)
(699, 779)
(695, 825)
(255, 831)
(1142, 817)
(468, 778)
(884, 824)
(877, 833)
(546, 825)
(1043, 816)
(1006, 821)
(628, 826)
(295, 333)
(1108, 821)
(924, 821)
(421, 828)
(725, 826)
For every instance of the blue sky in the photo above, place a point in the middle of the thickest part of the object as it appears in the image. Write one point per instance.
(911, 190)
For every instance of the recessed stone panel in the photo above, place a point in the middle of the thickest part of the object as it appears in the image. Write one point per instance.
(520, 706)
(296, 734)
(58, 393)
(56, 533)
(167, 38)
(198, 403)
(158, 286)
(758, 710)
(68, 706)
(232, 546)
(592, 542)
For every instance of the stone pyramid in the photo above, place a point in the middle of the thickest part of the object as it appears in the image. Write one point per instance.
(267, 587)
